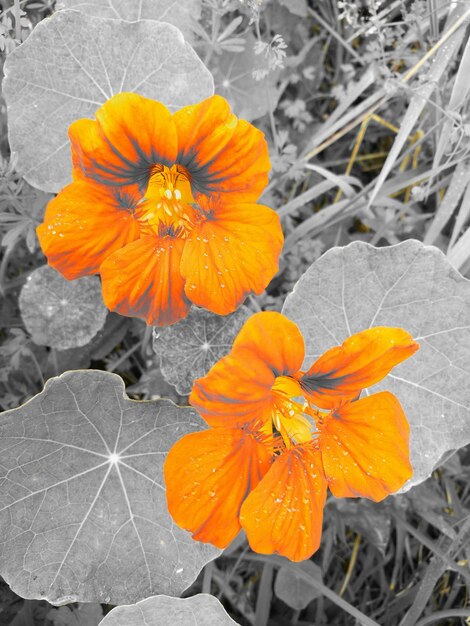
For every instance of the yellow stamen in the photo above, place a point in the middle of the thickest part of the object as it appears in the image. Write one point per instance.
(290, 415)
(168, 200)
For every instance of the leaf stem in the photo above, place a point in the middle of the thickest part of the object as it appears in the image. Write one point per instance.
(17, 14)
(207, 578)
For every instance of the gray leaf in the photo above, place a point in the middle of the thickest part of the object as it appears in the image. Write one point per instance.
(233, 77)
(180, 14)
(71, 64)
(83, 514)
(296, 7)
(414, 287)
(61, 313)
(188, 349)
(200, 610)
(295, 591)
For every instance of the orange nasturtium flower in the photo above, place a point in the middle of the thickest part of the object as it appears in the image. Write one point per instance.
(163, 207)
(270, 453)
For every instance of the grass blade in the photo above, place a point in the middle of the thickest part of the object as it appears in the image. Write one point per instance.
(265, 594)
(418, 102)
(459, 93)
(460, 253)
(279, 561)
(458, 184)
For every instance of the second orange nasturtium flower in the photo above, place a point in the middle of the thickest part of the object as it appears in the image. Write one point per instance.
(270, 453)
(163, 207)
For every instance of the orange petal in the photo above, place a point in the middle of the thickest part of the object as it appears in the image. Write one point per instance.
(203, 129)
(208, 475)
(284, 513)
(361, 361)
(232, 254)
(238, 387)
(131, 134)
(237, 390)
(85, 223)
(222, 153)
(143, 280)
(365, 448)
(274, 339)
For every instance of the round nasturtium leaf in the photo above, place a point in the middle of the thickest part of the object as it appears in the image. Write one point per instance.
(414, 287)
(71, 64)
(234, 79)
(83, 514)
(61, 313)
(180, 14)
(188, 349)
(200, 610)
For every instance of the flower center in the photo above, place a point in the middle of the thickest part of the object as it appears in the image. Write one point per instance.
(292, 415)
(168, 201)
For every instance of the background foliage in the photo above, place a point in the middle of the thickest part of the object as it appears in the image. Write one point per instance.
(365, 108)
